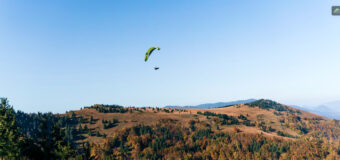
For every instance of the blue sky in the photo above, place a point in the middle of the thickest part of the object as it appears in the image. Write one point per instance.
(62, 55)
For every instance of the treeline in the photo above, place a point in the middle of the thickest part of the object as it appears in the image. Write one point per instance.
(225, 119)
(37, 136)
(109, 108)
(29, 123)
(103, 108)
(268, 104)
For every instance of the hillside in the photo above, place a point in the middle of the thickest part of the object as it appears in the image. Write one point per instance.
(263, 113)
(260, 129)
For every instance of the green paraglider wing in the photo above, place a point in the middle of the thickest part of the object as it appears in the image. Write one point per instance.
(148, 53)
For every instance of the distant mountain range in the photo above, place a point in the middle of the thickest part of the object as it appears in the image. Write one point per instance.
(330, 110)
(213, 105)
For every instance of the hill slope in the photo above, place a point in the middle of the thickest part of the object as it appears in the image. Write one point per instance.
(290, 129)
(261, 129)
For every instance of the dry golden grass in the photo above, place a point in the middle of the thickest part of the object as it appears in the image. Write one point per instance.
(150, 117)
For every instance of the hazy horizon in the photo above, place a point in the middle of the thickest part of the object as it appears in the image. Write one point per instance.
(63, 55)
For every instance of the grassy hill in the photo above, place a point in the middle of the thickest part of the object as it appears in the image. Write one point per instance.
(262, 129)
(263, 118)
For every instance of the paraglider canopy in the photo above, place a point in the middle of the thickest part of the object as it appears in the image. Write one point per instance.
(149, 52)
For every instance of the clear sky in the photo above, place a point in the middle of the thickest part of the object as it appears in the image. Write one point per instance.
(60, 55)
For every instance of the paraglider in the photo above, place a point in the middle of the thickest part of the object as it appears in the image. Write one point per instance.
(148, 54)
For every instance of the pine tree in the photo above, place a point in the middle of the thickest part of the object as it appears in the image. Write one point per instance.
(86, 128)
(61, 150)
(91, 119)
(86, 150)
(45, 140)
(73, 116)
(80, 129)
(97, 134)
(9, 132)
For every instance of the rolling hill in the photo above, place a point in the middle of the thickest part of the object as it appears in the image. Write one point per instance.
(261, 129)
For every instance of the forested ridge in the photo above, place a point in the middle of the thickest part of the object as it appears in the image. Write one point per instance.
(262, 129)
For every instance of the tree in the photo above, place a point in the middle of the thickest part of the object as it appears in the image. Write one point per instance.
(80, 129)
(53, 142)
(61, 149)
(89, 132)
(86, 128)
(217, 127)
(69, 131)
(86, 150)
(97, 134)
(73, 116)
(9, 132)
(45, 140)
(91, 119)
